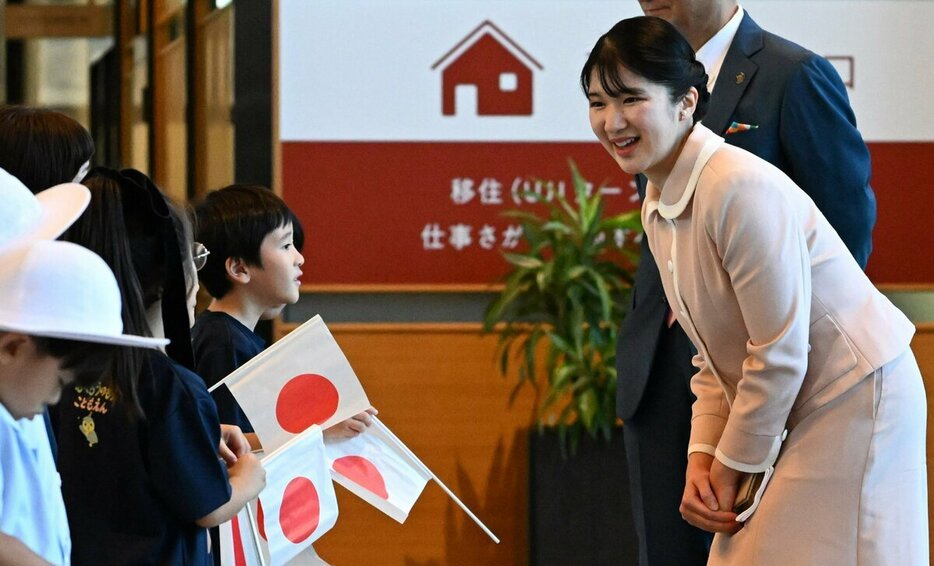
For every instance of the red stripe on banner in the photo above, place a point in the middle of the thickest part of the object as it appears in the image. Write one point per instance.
(386, 212)
(239, 556)
(365, 206)
(903, 244)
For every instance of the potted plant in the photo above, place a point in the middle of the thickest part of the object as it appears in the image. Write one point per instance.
(557, 317)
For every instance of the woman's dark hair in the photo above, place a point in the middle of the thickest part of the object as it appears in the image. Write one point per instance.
(653, 49)
(232, 223)
(41, 147)
(87, 360)
(102, 229)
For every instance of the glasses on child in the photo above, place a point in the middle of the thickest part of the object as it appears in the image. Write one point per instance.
(199, 254)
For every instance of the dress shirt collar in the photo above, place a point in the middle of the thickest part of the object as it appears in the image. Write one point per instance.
(712, 53)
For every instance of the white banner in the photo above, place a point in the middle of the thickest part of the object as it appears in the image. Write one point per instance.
(372, 70)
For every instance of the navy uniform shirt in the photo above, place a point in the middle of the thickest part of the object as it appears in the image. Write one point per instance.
(133, 489)
(222, 344)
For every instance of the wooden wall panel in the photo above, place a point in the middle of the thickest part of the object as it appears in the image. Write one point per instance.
(171, 167)
(440, 392)
(214, 167)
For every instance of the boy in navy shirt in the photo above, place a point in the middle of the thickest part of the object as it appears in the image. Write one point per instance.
(250, 266)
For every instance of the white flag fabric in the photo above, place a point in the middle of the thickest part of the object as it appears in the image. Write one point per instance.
(298, 504)
(378, 468)
(308, 558)
(238, 545)
(303, 379)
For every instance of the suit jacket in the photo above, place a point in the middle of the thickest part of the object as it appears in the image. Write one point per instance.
(806, 128)
(783, 318)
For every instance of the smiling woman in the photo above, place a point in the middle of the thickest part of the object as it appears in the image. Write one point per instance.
(641, 97)
(790, 382)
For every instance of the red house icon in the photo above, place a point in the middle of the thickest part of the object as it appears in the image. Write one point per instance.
(489, 70)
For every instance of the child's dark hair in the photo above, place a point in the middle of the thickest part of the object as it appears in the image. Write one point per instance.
(102, 229)
(89, 361)
(653, 49)
(42, 147)
(232, 223)
(129, 223)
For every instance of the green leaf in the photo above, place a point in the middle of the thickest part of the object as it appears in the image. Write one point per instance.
(557, 226)
(523, 261)
(587, 404)
(562, 302)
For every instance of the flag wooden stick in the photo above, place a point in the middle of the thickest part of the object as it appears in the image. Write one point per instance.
(256, 549)
(437, 480)
(464, 507)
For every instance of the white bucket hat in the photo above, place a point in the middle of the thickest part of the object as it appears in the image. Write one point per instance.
(25, 217)
(62, 290)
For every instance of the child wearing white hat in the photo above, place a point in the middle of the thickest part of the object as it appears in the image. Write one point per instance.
(59, 323)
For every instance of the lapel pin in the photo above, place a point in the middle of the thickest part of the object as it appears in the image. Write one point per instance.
(740, 77)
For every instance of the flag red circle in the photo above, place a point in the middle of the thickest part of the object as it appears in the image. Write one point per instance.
(306, 400)
(300, 511)
(259, 519)
(363, 472)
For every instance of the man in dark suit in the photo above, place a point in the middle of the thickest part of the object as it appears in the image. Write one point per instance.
(788, 106)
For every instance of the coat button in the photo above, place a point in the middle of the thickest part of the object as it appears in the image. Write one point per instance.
(671, 267)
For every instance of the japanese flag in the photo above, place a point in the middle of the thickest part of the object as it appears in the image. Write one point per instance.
(378, 468)
(298, 504)
(302, 380)
(238, 545)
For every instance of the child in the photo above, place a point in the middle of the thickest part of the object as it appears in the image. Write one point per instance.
(252, 267)
(59, 323)
(138, 453)
(42, 147)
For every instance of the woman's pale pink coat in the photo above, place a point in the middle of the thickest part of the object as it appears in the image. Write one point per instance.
(783, 318)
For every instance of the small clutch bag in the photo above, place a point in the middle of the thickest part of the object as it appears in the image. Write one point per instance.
(751, 488)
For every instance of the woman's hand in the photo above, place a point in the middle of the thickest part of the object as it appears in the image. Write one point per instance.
(724, 481)
(700, 505)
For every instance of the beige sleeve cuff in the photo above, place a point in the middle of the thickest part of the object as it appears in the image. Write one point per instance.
(748, 452)
(705, 448)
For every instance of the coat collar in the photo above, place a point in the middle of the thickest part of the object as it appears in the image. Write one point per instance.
(671, 200)
(735, 75)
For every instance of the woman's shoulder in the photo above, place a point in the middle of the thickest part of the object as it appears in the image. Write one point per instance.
(733, 172)
(736, 187)
(731, 166)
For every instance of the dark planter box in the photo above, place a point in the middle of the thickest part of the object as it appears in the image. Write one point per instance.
(579, 508)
